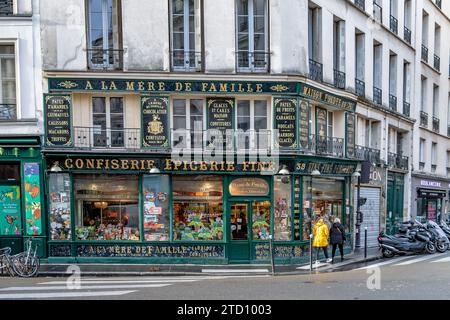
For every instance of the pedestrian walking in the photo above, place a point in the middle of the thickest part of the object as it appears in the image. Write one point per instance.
(337, 238)
(320, 241)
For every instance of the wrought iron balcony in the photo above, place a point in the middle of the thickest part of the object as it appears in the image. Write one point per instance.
(339, 79)
(377, 96)
(369, 154)
(361, 4)
(189, 61)
(315, 71)
(436, 124)
(327, 146)
(101, 59)
(423, 119)
(8, 112)
(397, 161)
(437, 63)
(377, 12)
(424, 53)
(407, 35)
(6, 7)
(106, 138)
(392, 102)
(394, 24)
(406, 108)
(258, 61)
(360, 88)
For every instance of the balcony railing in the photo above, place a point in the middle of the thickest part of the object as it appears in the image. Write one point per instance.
(424, 53)
(397, 161)
(339, 79)
(394, 24)
(315, 71)
(407, 35)
(6, 7)
(377, 12)
(377, 95)
(105, 138)
(406, 108)
(101, 59)
(369, 154)
(437, 63)
(392, 102)
(360, 88)
(257, 61)
(435, 124)
(8, 112)
(423, 119)
(189, 61)
(361, 4)
(326, 146)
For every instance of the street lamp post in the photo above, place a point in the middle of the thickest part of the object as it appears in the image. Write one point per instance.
(358, 212)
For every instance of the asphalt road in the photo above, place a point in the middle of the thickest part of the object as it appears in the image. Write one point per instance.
(413, 277)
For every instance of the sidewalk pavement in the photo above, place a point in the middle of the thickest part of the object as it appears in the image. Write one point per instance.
(357, 256)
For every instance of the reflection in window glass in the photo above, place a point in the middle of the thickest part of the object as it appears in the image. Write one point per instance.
(282, 214)
(156, 207)
(197, 208)
(261, 220)
(327, 197)
(60, 214)
(107, 207)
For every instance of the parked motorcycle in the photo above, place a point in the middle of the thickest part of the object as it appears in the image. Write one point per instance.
(446, 228)
(439, 237)
(413, 239)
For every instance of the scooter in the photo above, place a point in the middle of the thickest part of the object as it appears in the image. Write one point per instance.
(445, 227)
(439, 237)
(418, 240)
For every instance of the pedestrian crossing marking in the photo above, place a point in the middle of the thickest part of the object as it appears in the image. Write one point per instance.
(447, 259)
(48, 295)
(415, 260)
(85, 287)
(383, 263)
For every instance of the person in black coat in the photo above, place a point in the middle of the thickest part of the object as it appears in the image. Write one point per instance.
(337, 238)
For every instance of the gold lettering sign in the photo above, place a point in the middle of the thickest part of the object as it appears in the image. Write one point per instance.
(249, 187)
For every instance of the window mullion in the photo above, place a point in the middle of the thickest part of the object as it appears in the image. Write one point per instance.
(186, 19)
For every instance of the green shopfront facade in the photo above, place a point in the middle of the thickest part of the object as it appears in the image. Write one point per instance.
(21, 193)
(152, 205)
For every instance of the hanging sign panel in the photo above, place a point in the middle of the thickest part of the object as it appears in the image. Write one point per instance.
(58, 120)
(155, 122)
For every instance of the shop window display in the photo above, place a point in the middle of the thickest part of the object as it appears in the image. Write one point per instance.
(197, 208)
(282, 214)
(107, 207)
(261, 220)
(322, 198)
(60, 214)
(156, 207)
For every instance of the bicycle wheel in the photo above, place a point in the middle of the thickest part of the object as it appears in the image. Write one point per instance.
(25, 268)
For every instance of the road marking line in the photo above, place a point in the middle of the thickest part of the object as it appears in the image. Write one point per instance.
(314, 266)
(233, 270)
(83, 287)
(415, 260)
(119, 281)
(63, 294)
(447, 259)
(383, 263)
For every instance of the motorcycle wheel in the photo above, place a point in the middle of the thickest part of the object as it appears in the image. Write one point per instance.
(388, 253)
(430, 248)
(442, 247)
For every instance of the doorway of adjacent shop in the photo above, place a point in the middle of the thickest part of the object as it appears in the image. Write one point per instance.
(249, 221)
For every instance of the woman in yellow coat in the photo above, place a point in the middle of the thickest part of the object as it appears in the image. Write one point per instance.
(320, 239)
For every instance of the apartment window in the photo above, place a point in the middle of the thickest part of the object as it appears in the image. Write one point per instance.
(435, 100)
(407, 21)
(108, 122)
(314, 43)
(448, 161)
(186, 35)
(423, 89)
(406, 81)
(6, 7)
(104, 43)
(437, 47)
(378, 10)
(433, 156)
(425, 19)
(339, 52)
(7, 83)
(252, 36)
(393, 81)
(422, 154)
(377, 74)
(252, 118)
(393, 22)
(330, 124)
(360, 86)
(188, 123)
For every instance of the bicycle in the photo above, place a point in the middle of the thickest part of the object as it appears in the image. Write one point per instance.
(26, 264)
(7, 261)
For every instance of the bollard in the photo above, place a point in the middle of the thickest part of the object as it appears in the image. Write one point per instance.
(365, 243)
(310, 252)
(272, 260)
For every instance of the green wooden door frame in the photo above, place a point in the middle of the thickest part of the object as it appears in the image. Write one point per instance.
(239, 250)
